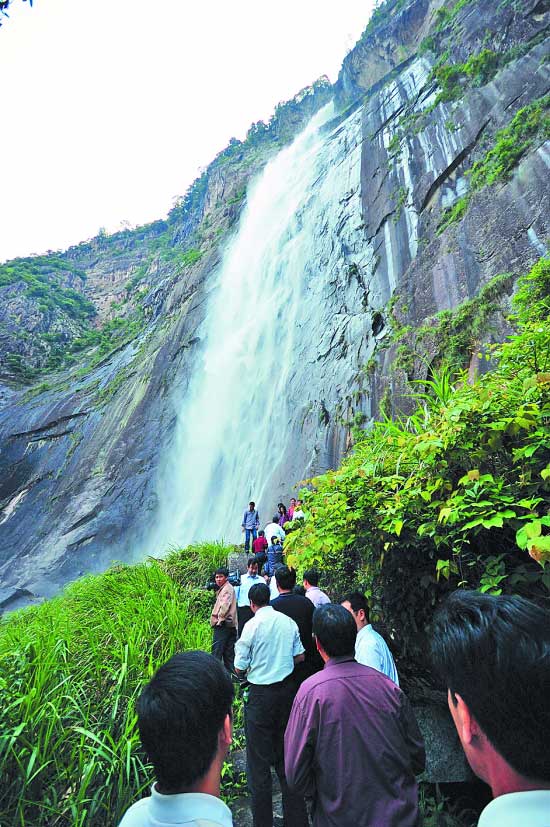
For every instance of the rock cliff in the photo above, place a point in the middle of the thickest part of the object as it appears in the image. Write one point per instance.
(432, 181)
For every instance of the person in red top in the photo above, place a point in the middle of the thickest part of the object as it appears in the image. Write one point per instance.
(259, 547)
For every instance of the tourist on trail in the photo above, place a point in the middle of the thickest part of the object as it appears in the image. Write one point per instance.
(493, 654)
(370, 648)
(274, 556)
(291, 508)
(184, 720)
(301, 611)
(267, 652)
(224, 620)
(244, 612)
(274, 528)
(250, 523)
(313, 592)
(259, 547)
(298, 513)
(352, 743)
(283, 515)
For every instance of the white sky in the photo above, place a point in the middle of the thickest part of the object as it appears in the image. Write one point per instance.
(110, 107)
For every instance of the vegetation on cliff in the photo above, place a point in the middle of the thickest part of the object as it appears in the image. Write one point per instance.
(455, 495)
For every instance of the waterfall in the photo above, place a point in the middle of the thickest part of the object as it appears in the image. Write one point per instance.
(234, 433)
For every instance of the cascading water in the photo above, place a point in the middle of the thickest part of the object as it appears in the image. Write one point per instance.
(236, 426)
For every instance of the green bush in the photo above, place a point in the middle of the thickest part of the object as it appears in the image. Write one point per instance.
(457, 494)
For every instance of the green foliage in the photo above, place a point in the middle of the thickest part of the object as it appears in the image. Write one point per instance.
(454, 495)
(41, 277)
(530, 125)
(71, 671)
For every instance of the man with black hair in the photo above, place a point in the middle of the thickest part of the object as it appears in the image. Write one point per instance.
(250, 524)
(370, 647)
(493, 654)
(313, 592)
(301, 611)
(352, 743)
(267, 652)
(244, 612)
(184, 720)
(224, 619)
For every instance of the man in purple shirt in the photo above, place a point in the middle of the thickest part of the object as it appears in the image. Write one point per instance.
(352, 744)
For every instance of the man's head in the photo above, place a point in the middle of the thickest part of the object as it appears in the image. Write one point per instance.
(251, 506)
(356, 603)
(184, 719)
(252, 566)
(335, 631)
(220, 576)
(258, 596)
(285, 578)
(311, 578)
(276, 519)
(493, 654)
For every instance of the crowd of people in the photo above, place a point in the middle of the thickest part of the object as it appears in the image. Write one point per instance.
(323, 706)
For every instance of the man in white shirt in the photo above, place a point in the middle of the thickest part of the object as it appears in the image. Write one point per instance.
(267, 651)
(273, 529)
(184, 719)
(370, 648)
(244, 612)
(313, 592)
(493, 654)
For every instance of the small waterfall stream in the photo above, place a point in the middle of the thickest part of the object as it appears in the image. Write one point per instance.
(263, 327)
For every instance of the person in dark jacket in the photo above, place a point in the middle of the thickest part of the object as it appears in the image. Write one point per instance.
(300, 609)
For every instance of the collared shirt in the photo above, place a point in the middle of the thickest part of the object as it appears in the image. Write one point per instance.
(317, 597)
(267, 647)
(247, 581)
(179, 810)
(353, 744)
(225, 607)
(531, 808)
(274, 530)
(251, 519)
(372, 650)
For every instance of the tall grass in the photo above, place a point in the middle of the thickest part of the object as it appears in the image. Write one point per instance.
(70, 672)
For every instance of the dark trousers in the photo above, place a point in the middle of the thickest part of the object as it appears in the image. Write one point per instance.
(266, 715)
(247, 533)
(223, 645)
(244, 614)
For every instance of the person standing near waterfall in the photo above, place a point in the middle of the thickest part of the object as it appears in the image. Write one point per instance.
(250, 524)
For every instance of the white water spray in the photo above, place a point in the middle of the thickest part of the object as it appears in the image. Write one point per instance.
(232, 427)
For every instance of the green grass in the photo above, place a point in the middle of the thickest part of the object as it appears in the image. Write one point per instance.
(71, 671)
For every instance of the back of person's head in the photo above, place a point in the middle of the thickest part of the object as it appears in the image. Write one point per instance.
(335, 629)
(357, 601)
(495, 653)
(259, 595)
(261, 533)
(180, 714)
(312, 577)
(276, 519)
(274, 540)
(285, 578)
(299, 590)
(222, 570)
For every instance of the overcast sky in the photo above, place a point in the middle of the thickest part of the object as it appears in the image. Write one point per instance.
(110, 107)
